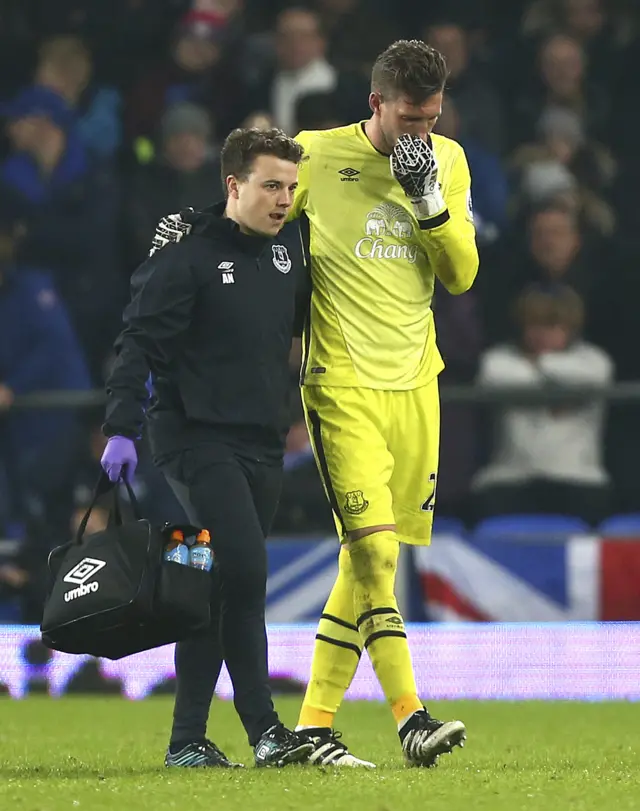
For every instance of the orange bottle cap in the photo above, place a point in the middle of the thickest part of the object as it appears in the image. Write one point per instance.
(203, 536)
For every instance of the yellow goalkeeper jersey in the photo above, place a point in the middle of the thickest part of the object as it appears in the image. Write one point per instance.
(373, 269)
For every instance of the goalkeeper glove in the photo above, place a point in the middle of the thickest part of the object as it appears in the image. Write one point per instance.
(172, 228)
(414, 166)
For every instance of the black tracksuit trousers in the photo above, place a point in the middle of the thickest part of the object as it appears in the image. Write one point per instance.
(234, 494)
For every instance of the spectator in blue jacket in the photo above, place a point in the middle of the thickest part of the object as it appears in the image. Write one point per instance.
(69, 205)
(39, 351)
(65, 66)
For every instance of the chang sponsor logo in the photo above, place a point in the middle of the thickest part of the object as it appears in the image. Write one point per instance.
(384, 221)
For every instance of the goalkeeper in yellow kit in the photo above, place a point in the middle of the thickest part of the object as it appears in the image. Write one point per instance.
(389, 207)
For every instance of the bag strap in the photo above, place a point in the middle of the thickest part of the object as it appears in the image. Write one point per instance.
(104, 485)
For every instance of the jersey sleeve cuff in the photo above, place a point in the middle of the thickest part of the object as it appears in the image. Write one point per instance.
(434, 222)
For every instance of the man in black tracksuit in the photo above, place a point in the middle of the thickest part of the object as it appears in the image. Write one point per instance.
(212, 317)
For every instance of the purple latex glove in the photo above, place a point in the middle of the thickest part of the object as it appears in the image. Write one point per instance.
(119, 459)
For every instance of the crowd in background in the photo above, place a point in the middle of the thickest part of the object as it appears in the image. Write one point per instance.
(112, 114)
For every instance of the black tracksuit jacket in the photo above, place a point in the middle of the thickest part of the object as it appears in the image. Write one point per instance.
(212, 317)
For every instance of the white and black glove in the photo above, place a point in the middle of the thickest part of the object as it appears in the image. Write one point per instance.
(171, 229)
(414, 166)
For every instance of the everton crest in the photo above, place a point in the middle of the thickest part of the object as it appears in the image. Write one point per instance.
(281, 258)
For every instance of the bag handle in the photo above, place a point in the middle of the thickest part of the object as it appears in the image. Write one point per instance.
(104, 485)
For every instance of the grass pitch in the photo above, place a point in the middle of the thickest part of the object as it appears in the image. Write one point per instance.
(106, 753)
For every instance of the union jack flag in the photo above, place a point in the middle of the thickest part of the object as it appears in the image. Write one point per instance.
(583, 578)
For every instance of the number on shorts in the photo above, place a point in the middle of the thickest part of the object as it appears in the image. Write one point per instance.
(428, 505)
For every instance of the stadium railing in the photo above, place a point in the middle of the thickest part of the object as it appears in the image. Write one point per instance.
(628, 392)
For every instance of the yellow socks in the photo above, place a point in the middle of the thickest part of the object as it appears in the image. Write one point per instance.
(374, 560)
(336, 653)
(361, 611)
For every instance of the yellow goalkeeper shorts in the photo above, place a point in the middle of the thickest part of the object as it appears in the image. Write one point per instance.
(377, 453)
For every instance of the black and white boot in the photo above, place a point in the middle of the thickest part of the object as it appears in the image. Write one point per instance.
(331, 751)
(424, 738)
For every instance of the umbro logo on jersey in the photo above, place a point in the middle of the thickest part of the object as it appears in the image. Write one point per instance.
(349, 175)
(227, 272)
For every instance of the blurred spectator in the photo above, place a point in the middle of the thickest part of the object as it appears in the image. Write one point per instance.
(556, 252)
(185, 173)
(302, 69)
(301, 66)
(38, 352)
(601, 30)
(561, 138)
(564, 165)
(65, 67)
(490, 190)
(547, 459)
(561, 82)
(478, 104)
(201, 70)
(69, 207)
(356, 31)
(318, 111)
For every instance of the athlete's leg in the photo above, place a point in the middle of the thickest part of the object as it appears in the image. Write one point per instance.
(338, 643)
(414, 436)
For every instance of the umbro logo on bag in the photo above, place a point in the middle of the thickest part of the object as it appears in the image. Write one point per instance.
(80, 574)
(349, 175)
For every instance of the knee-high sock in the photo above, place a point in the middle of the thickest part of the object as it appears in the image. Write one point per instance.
(336, 653)
(374, 561)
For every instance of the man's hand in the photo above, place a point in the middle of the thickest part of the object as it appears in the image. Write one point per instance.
(414, 166)
(120, 459)
(6, 397)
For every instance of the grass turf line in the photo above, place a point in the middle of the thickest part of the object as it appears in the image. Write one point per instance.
(105, 754)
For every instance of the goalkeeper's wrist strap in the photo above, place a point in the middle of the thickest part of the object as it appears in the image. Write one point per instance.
(430, 210)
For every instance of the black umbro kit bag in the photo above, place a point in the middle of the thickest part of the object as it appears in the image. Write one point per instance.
(111, 594)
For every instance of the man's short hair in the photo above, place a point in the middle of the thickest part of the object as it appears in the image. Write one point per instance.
(242, 146)
(409, 68)
(554, 305)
